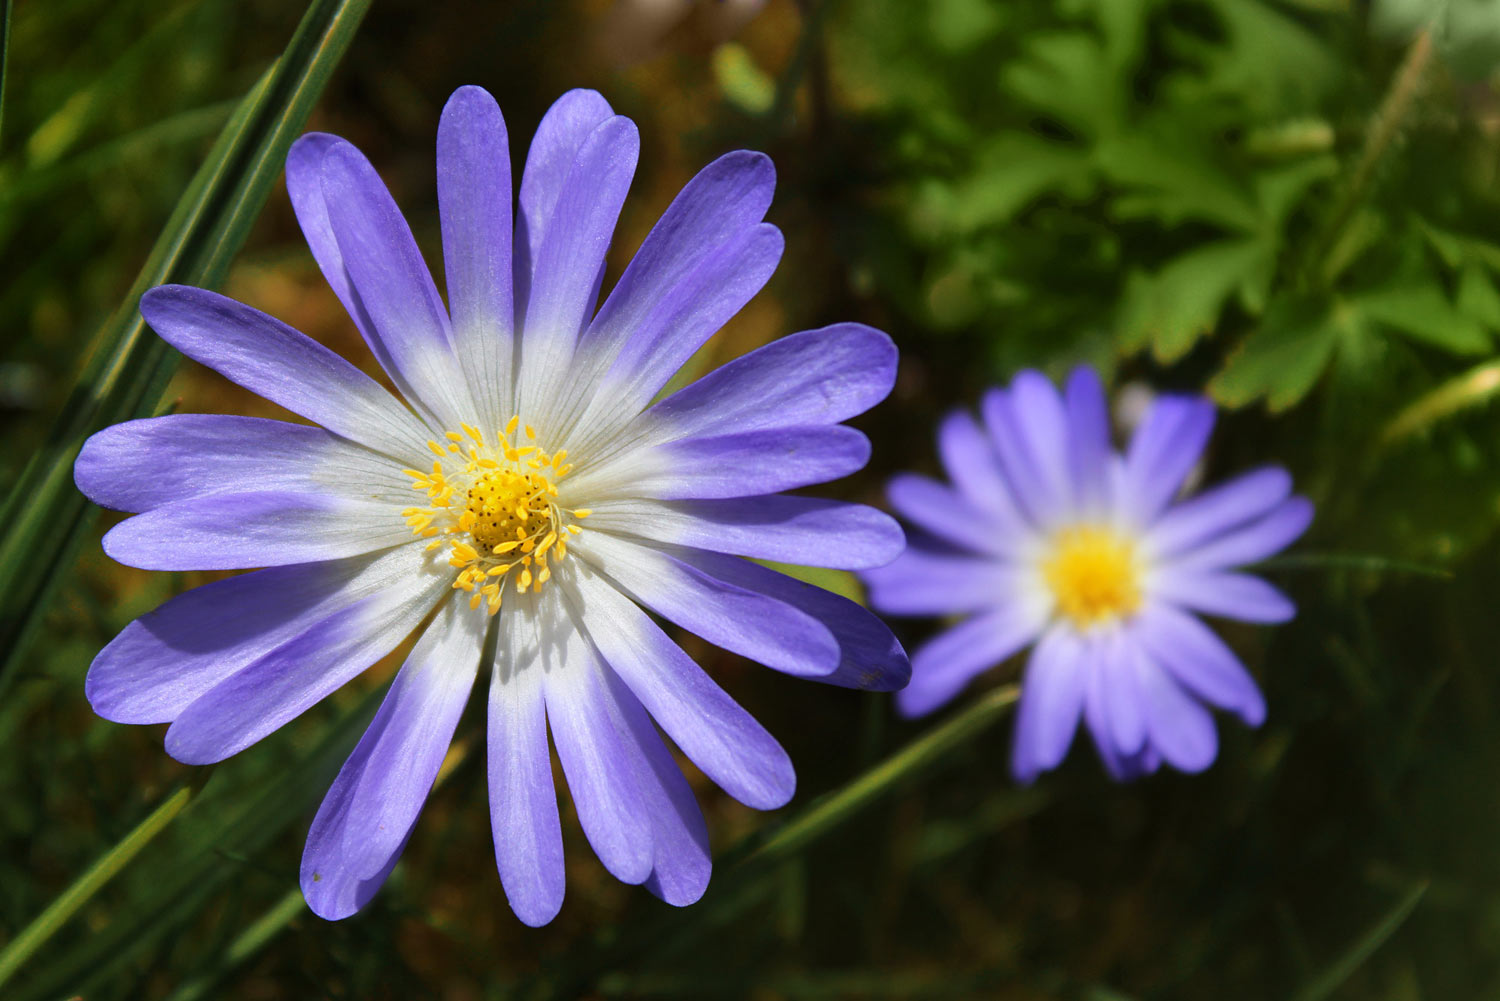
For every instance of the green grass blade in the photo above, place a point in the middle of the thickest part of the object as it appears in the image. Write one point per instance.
(743, 870)
(229, 822)
(1364, 562)
(836, 808)
(84, 888)
(246, 944)
(1342, 968)
(46, 518)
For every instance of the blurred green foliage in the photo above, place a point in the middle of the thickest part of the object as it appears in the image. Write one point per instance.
(1291, 204)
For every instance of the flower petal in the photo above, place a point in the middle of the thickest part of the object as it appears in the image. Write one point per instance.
(1228, 595)
(1199, 661)
(523, 802)
(1264, 537)
(408, 742)
(162, 662)
(718, 736)
(570, 264)
(474, 202)
(562, 132)
(869, 657)
(274, 361)
(716, 210)
(282, 684)
(1052, 696)
(950, 516)
(393, 285)
(1164, 449)
(945, 664)
(970, 460)
(1088, 441)
(680, 861)
(304, 183)
(1181, 730)
(1218, 510)
(807, 531)
(373, 804)
(1119, 689)
(751, 463)
(924, 582)
(598, 753)
(686, 586)
(244, 530)
(143, 464)
(724, 280)
(814, 377)
(1036, 486)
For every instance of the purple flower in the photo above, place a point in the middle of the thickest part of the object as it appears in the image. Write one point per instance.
(528, 485)
(1049, 536)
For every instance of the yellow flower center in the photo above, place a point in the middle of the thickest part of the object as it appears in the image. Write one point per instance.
(510, 519)
(507, 506)
(1094, 575)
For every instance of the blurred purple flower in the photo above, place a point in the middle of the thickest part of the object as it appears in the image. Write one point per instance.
(547, 486)
(1049, 536)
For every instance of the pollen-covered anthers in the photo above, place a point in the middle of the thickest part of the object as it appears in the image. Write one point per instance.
(497, 505)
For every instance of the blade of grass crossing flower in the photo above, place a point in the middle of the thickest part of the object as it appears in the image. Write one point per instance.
(229, 822)
(84, 888)
(1325, 983)
(45, 518)
(835, 808)
(742, 873)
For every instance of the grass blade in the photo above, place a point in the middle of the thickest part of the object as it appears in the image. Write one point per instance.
(229, 822)
(743, 870)
(84, 888)
(1342, 968)
(46, 518)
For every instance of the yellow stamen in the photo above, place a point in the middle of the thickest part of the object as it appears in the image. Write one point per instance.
(1094, 575)
(505, 505)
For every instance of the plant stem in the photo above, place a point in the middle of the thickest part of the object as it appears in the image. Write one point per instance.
(1384, 128)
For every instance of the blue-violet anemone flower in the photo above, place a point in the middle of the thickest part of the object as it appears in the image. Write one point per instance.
(528, 485)
(1050, 536)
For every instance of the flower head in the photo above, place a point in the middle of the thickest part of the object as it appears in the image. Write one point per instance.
(528, 486)
(1048, 536)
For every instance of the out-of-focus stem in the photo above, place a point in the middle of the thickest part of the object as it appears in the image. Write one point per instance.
(1384, 128)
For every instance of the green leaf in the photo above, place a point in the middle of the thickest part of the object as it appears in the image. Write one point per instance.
(1169, 176)
(1284, 356)
(1171, 309)
(1477, 296)
(45, 517)
(1013, 169)
(1423, 313)
(1278, 191)
(1066, 74)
